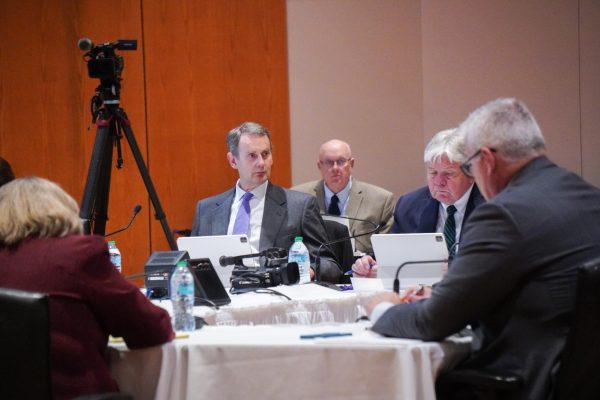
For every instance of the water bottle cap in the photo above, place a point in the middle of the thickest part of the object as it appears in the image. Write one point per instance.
(182, 263)
(112, 243)
(298, 239)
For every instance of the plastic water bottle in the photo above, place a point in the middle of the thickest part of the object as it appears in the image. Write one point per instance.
(115, 255)
(182, 298)
(299, 253)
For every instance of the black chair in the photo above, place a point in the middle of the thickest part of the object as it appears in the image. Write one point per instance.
(580, 362)
(577, 376)
(25, 341)
(25, 372)
(342, 250)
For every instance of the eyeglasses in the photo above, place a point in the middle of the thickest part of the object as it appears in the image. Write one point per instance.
(466, 166)
(341, 163)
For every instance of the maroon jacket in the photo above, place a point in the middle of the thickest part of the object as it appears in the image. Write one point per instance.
(89, 300)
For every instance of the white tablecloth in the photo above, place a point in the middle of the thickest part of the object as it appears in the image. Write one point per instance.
(309, 304)
(272, 362)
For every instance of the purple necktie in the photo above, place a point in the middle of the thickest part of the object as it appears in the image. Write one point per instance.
(242, 220)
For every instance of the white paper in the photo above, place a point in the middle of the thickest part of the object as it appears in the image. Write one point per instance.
(367, 284)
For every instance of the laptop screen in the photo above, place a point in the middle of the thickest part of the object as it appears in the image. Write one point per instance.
(213, 248)
(392, 250)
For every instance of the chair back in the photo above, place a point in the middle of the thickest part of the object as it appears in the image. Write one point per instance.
(580, 362)
(25, 341)
(342, 250)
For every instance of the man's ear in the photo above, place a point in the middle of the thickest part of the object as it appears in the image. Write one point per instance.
(232, 160)
(489, 159)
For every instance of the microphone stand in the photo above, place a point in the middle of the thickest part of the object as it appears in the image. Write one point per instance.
(136, 211)
(318, 258)
(397, 281)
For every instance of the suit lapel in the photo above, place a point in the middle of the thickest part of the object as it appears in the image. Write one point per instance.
(354, 203)
(222, 212)
(274, 216)
(429, 216)
(320, 195)
(474, 200)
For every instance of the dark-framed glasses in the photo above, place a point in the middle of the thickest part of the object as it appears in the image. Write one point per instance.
(341, 163)
(466, 166)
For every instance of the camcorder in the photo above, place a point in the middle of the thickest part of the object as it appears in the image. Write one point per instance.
(275, 270)
(102, 61)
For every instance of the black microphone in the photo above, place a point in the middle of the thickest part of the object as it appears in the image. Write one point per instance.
(318, 258)
(397, 281)
(136, 210)
(85, 44)
(272, 252)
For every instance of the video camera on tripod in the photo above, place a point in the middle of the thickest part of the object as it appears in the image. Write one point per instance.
(103, 62)
(112, 124)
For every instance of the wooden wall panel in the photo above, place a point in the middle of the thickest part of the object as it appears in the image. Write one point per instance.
(221, 64)
(200, 69)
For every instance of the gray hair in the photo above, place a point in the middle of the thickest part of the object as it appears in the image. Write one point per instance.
(36, 207)
(505, 125)
(445, 143)
(247, 128)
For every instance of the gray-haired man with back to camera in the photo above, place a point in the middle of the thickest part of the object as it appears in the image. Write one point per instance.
(515, 274)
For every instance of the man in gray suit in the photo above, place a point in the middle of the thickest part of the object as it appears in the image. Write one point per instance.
(515, 273)
(338, 193)
(270, 215)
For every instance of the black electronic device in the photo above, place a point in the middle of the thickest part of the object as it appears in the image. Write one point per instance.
(207, 283)
(375, 229)
(248, 277)
(158, 270)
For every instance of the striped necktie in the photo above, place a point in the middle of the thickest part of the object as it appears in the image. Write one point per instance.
(450, 228)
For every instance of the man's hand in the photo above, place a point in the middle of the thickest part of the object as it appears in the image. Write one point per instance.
(365, 267)
(416, 293)
(386, 297)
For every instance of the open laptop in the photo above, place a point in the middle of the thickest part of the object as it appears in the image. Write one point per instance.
(213, 247)
(392, 250)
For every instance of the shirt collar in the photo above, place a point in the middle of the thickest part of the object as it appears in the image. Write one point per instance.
(259, 192)
(461, 204)
(342, 194)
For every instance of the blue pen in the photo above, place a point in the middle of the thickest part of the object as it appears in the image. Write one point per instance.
(325, 335)
(350, 272)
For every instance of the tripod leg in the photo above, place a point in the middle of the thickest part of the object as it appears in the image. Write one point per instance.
(94, 205)
(160, 215)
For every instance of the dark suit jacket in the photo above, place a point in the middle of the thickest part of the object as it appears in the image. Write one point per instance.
(89, 300)
(515, 275)
(287, 214)
(417, 211)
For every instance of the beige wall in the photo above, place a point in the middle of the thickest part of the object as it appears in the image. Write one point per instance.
(386, 75)
(355, 74)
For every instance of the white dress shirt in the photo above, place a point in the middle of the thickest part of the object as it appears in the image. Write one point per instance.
(343, 196)
(257, 208)
(459, 216)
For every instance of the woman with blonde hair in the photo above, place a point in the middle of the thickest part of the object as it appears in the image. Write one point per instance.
(42, 249)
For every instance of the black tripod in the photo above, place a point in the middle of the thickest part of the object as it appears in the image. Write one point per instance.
(112, 122)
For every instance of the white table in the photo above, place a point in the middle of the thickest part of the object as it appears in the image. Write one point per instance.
(272, 362)
(310, 304)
